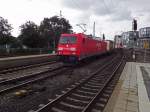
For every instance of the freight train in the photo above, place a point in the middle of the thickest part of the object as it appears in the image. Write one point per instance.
(73, 48)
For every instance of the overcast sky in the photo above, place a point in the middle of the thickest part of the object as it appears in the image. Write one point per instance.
(111, 16)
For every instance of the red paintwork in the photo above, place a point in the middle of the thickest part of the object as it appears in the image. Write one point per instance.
(85, 46)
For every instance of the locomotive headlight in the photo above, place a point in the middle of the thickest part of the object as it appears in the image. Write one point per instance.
(60, 48)
(73, 49)
(74, 53)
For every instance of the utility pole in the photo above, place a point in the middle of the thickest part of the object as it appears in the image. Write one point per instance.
(60, 14)
(94, 29)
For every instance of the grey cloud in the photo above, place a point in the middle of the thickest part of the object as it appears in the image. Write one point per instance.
(114, 9)
(95, 6)
(84, 18)
(121, 13)
(77, 4)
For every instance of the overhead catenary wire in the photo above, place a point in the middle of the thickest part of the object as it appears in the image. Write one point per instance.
(112, 3)
(76, 4)
(106, 6)
(81, 25)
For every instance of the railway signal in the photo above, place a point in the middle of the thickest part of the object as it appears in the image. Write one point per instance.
(134, 25)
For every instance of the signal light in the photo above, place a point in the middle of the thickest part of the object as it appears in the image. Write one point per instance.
(134, 25)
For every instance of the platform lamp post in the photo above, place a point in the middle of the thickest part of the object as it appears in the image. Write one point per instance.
(54, 46)
(47, 39)
(56, 34)
(54, 41)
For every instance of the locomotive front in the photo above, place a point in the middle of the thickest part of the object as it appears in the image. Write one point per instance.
(68, 48)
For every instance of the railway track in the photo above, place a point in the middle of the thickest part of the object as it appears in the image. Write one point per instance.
(11, 84)
(83, 96)
(25, 67)
(36, 97)
(14, 83)
(142, 55)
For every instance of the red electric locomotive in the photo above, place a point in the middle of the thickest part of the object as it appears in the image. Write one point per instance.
(75, 47)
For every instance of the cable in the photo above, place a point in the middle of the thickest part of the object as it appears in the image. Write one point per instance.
(106, 6)
(77, 5)
(112, 3)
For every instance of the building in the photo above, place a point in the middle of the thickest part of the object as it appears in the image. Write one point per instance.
(144, 38)
(118, 41)
(130, 38)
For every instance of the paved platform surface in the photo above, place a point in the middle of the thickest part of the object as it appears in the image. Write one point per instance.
(23, 57)
(132, 92)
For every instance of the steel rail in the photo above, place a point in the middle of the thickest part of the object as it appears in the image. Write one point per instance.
(88, 108)
(25, 67)
(48, 106)
(34, 80)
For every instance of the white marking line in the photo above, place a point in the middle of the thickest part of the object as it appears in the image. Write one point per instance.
(144, 104)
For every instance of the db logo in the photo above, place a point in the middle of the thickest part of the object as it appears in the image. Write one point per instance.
(98, 45)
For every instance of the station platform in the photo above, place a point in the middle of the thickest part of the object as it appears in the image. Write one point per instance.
(24, 60)
(132, 92)
(27, 56)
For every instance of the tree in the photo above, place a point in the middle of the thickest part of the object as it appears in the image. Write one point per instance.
(51, 29)
(15, 43)
(5, 31)
(30, 36)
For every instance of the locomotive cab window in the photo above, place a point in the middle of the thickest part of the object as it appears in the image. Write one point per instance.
(68, 40)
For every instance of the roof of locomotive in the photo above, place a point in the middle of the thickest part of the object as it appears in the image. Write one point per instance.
(72, 34)
(79, 34)
(82, 35)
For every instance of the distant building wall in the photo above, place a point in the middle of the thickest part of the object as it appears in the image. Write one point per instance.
(144, 38)
(129, 39)
(118, 41)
